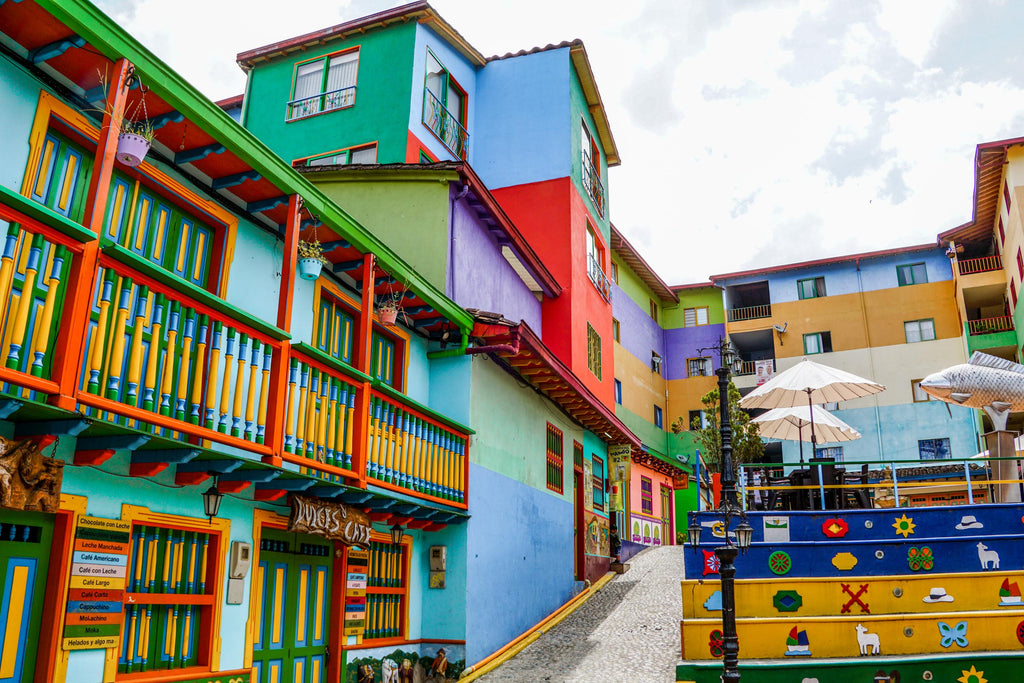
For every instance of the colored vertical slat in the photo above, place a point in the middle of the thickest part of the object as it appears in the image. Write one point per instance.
(197, 375)
(302, 605)
(41, 346)
(170, 356)
(116, 358)
(290, 440)
(264, 394)
(20, 324)
(250, 401)
(149, 386)
(237, 416)
(135, 353)
(225, 385)
(211, 383)
(300, 432)
(185, 365)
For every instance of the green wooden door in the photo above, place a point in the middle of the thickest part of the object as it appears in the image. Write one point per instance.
(25, 539)
(293, 580)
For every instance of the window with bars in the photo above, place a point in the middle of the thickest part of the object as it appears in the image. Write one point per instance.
(598, 477)
(577, 455)
(555, 464)
(160, 631)
(324, 84)
(335, 328)
(811, 288)
(1002, 232)
(646, 496)
(692, 317)
(387, 590)
(698, 367)
(616, 330)
(911, 274)
(593, 351)
(919, 330)
(1013, 293)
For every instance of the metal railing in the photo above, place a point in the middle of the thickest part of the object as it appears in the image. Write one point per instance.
(594, 186)
(749, 313)
(444, 124)
(980, 265)
(327, 101)
(599, 279)
(1002, 323)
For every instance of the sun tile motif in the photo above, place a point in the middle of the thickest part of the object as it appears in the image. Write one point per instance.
(904, 526)
(972, 676)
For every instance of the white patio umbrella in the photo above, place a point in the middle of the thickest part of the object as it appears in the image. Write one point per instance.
(811, 383)
(788, 424)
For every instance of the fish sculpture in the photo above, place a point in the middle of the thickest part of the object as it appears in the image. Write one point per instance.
(995, 385)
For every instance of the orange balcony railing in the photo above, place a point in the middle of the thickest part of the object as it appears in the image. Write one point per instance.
(980, 265)
(1002, 323)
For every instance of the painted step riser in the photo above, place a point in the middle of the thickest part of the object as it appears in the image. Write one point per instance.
(994, 668)
(867, 525)
(837, 559)
(857, 636)
(929, 593)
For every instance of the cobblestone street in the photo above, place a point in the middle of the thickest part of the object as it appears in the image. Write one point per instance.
(629, 631)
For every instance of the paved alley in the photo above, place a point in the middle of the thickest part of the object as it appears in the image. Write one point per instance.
(628, 631)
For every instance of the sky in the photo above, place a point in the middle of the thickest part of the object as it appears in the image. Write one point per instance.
(751, 134)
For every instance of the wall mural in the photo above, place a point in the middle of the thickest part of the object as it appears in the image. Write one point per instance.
(597, 535)
(28, 479)
(438, 664)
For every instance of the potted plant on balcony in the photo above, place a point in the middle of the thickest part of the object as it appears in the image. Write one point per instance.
(311, 259)
(389, 307)
(134, 141)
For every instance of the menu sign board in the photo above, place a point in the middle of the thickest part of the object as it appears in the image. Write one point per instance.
(355, 592)
(619, 454)
(99, 566)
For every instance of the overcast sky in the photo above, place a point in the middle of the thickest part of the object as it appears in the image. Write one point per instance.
(751, 133)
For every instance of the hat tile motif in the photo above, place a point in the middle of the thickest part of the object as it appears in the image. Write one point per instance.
(938, 594)
(969, 522)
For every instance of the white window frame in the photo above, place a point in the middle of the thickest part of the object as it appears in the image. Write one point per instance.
(916, 328)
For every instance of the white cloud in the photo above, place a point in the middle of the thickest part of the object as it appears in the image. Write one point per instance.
(751, 134)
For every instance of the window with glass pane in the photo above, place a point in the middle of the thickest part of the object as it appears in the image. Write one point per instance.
(357, 155)
(618, 392)
(654, 309)
(697, 367)
(62, 176)
(616, 330)
(934, 449)
(382, 361)
(920, 394)
(593, 351)
(911, 274)
(693, 317)
(444, 107)
(695, 419)
(324, 84)
(598, 480)
(811, 288)
(387, 589)
(818, 342)
(834, 452)
(646, 496)
(658, 417)
(919, 330)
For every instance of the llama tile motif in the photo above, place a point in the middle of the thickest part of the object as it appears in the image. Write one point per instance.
(989, 558)
(1009, 594)
(797, 644)
(868, 642)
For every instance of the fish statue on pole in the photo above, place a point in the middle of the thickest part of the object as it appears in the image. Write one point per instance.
(993, 384)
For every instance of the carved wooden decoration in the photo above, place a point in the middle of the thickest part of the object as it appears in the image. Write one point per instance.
(28, 479)
(331, 520)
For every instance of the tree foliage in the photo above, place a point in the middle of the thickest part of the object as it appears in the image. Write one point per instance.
(746, 443)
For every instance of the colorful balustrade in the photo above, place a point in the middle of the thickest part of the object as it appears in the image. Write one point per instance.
(409, 450)
(320, 417)
(157, 358)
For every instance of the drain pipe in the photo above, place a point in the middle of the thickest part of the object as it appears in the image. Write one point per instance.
(449, 353)
(512, 347)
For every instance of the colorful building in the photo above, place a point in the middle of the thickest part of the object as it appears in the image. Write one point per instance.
(888, 315)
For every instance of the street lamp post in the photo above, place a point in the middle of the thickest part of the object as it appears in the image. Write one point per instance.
(728, 507)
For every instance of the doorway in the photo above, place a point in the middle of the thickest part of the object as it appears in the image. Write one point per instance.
(25, 539)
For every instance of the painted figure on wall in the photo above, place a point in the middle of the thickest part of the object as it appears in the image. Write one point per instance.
(365, 674)
(406, 672)
(439, 667)
(28, 479)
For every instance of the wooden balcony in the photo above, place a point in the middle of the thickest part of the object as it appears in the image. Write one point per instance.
(749, 313)
(162, 356)
(980, 265)
(1002, 323)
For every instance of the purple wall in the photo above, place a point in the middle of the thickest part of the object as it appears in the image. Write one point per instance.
(480, 277)
(638, 333)
(683, 342)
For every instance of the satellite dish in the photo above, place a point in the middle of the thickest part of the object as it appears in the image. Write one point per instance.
(781, 328)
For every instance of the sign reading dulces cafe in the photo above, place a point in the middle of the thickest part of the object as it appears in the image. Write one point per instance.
(331, 520)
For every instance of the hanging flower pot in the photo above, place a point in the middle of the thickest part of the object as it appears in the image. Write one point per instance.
(309, 268)
(388, 314)
(131, 149)
(311, 259)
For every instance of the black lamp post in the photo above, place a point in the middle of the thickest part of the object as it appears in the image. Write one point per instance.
(728, 507)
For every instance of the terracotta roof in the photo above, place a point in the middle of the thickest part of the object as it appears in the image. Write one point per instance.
(229, 102)
(632, 258)
(497, 221)
(414, 11)
(826, 261)
(695, 285)
(658, 464)
(989, 159)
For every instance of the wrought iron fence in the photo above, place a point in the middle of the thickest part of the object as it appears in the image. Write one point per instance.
(444, 124)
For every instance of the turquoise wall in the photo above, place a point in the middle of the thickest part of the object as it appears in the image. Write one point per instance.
(18, 99)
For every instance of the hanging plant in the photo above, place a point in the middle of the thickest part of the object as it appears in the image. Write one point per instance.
(311, 259)
(389, 307)
(134, 142)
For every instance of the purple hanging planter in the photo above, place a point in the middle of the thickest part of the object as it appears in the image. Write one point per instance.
(131, 149)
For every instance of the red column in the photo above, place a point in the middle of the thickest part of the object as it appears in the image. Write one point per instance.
(67, 362)
(363, 356)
